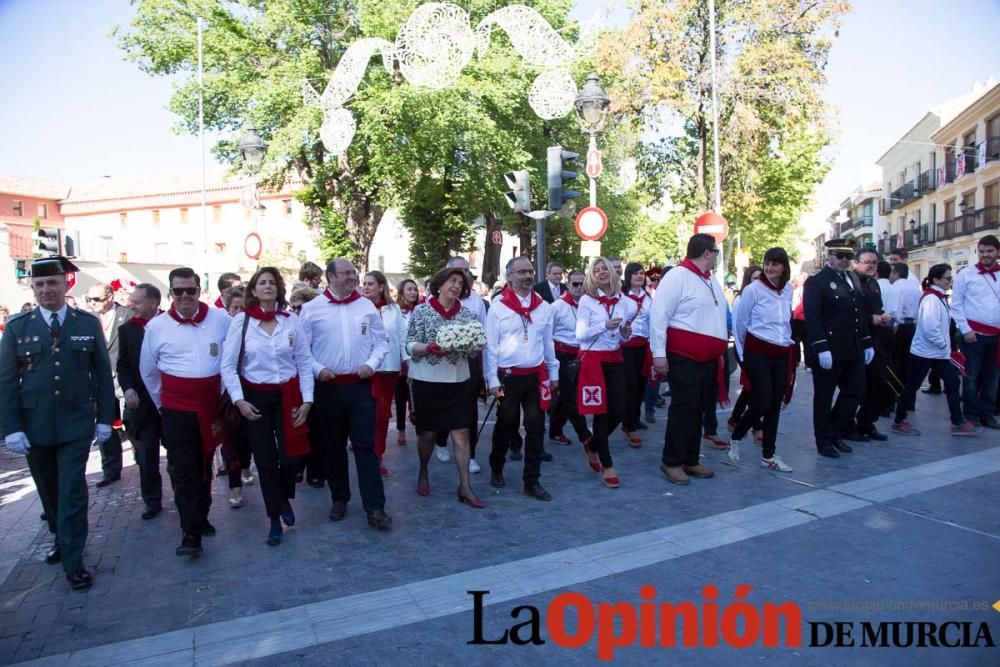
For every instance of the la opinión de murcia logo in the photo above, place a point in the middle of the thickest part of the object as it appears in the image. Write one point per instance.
(572, 620)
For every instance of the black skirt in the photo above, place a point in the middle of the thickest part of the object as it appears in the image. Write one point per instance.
(441, 406)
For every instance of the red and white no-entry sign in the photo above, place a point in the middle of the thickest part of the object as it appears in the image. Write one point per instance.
(591, 223)
(253, 246)
(712, 224)
(497, 238)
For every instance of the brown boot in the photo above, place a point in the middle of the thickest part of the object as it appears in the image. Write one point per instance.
(699, 471)
(675, 474)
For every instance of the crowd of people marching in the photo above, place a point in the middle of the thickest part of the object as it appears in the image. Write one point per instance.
(290, 378)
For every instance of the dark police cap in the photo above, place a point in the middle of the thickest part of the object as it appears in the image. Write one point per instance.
(840, 245)
(52, 266)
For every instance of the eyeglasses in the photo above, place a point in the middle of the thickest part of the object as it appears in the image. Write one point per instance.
(654, 279)
(870, 262)
(295, 308)
(580, 284)
(180, 291)
(523, 272)
(95, 299)
(949, 278)
(844, 255)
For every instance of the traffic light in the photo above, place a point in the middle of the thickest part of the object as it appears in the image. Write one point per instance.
(47, 242)
(68, 244)
(557, 157)
(519, 197)
(21, 267)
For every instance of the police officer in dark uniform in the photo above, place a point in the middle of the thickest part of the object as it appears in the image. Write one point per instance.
(55, 377)
(839, 346)
(876, 379)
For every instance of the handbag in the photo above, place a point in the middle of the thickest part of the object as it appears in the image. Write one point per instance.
(228, 412)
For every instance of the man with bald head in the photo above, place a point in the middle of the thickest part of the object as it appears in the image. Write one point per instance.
(348, 343)
(101, 301)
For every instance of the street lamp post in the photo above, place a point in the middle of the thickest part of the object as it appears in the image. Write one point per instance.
(252, 148)
(592, 105)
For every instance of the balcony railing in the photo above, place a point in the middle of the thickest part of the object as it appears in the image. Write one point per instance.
(918, 236)
(928, 181)
(949, 170)
(863, 221)
(987, 218)
(970, 160)
(884, 206)
(993, 149)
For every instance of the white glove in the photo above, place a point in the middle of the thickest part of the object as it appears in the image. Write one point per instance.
(17, 443)
(869, 355)
(826, 360)
(101, 433)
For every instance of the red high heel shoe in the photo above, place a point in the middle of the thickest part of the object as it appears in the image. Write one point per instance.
(423, 489)
(611, 482)
(471, 502)
(595, 467)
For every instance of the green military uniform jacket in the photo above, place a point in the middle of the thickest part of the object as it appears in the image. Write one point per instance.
(55, 391)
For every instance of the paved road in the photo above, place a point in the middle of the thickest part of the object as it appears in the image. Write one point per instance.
(907, 530)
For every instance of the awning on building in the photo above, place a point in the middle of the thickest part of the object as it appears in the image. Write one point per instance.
(92, 273)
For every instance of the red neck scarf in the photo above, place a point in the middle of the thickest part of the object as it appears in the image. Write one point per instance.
(139, 321)
(381, 303)
(990, 271)
(769, 284)
(637, 298)
(406, 308)
(256, 312)
(198, 318)
(446, 314)
(568, 298)
(355, 295)
(219, 303)
(690, 266)
(510, 299)
(930, 291)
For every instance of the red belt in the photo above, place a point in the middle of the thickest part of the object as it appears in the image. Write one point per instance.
(544, 388)
(566, 348)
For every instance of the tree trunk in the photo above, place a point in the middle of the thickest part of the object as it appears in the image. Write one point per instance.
(363, 218)
(491, 253)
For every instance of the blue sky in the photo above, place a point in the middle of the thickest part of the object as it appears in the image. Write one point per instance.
(73, 110)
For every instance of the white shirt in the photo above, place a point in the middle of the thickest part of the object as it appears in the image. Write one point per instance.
(267, 359)
(907, 299)
(640, 325)
(506, 344)
(182, 350)
(591, 314)
(686, 301)
(47, 316)
(475, 303)
(975, 296)
(564, 323)
(343, 337)
(890, 300)
(763, 312)
(932, 339)
(395, 324)
(555, 289)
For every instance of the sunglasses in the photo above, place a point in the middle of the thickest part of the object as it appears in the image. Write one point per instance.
(844, 255)
(180, 291)
(95, 299)
(654, 279)
(580, 284)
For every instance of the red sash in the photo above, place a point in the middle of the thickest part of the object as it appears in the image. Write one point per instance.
(544, 386)
(642, 341)
(296, 439)
(591, 389)
(202, 396)
(701, 348)
(759, 346)
(566, 348)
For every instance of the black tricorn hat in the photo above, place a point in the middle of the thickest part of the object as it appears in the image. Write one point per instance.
(52, 266)
(840, 245)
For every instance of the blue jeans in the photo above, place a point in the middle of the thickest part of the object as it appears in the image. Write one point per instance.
(979, 389)
(652, 393)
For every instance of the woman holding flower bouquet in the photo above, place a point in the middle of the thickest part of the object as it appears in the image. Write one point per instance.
(440, 341)
(602, 324)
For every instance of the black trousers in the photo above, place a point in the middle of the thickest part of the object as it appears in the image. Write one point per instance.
(111, 449)
(146, 449)
(348, 411)
(799, 336)
(947, 372)
(476, 384)
(710, 421)
(60, 476)
(605, 425)
(877, 392)
(520, 395)
(275, 470)
(236, 453)
(768, 377)
(901, 350)
(692, 393)
(849, 376)
(190, 470)
(402, 400)
(741, 406)
(565, 408)
(635, 385)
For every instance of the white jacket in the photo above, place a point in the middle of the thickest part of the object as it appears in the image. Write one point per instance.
(932, 339)
(395, 324)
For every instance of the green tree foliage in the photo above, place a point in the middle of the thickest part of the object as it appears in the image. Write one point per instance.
(772, 119)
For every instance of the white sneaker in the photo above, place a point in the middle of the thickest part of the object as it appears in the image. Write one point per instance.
(236, 497)
(776, 464)
(442, 454)
(734, 451)
(474, 466)
(247, 477)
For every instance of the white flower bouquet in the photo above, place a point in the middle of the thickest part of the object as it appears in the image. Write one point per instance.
(462, 338)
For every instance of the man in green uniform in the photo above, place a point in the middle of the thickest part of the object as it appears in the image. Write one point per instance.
(56, 400)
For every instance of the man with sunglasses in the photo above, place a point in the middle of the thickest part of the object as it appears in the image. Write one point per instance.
(101, 302)
(179, 362)
(839, 346)
(567, 349)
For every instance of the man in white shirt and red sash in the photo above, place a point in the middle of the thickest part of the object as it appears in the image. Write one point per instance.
(179, 364)
(567, 349)
(348, 343)
(520, 369)
(975, 307)
(688, 336)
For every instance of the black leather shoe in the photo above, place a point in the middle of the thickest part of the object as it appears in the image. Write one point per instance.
(207, 529)
(53, 556)
(108, 480)
(537, 492)
(190, 546)
(317, 483)
(876, 436)
(855, 436)
(546, 456)
(151, 512)
(379, 520)
(79, 580)
(842, 446)
(516, 455)
(497, 480)
(829, 451)
(991, 423)
(338, 510)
